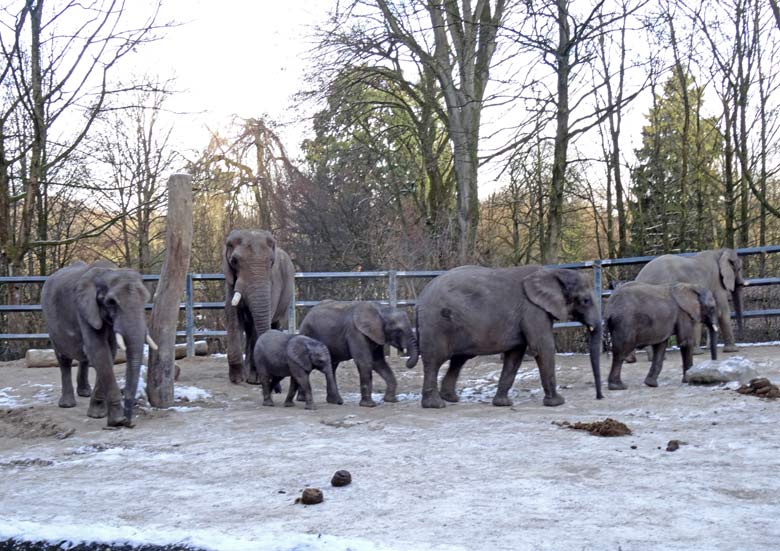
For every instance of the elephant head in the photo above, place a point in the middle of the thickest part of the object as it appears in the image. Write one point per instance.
(387, 325)
(699, 303)
(567, 294)
(113, 300)
(730, 271)
(312, 355)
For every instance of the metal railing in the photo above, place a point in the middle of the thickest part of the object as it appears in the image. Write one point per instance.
(392, 276)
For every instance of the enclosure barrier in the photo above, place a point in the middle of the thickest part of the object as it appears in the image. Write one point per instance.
(392, 276)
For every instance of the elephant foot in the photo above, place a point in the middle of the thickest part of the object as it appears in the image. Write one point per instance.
(432, 401)
(631, 358)
(289, 404)
(254, 379)
(116, 416)
(651, 382)
(236, 373)
(118, 421)
(97, 409)
(269, 402)
(450, 396)
(616, 385)
(309, 406)
(390, 398)
(367, 403)
(502, 401)
(554, 400)
(84, 391)
(730, 348)
(334, 400)
(67, 401)
(300, 397)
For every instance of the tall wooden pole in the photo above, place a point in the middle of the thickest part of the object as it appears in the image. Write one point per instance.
(165, 313)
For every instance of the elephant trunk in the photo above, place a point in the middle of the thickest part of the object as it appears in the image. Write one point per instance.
(413, 351)
(258, 297)
(736, 296)
(135, 350)
(594, 349)
(713, 337)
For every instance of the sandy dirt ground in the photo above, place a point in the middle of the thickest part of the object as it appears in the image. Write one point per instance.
(223, 469)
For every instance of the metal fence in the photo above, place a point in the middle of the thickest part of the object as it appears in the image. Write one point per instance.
(392, 277)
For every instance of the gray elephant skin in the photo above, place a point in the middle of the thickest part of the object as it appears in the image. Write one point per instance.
(259, 281)
(473, 311)
(720, 271)
(641, 314)
(89, 311)
(359, 330)
(279, 355)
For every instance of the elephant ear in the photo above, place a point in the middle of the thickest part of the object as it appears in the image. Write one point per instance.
(368, 320)
(86, 300)
(543, 288)
(727, 276)
(687, 298)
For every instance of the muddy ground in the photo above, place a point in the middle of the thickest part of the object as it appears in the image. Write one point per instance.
(222, 471)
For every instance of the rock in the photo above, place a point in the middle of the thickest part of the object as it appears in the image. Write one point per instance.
(673, 445)
(735, 368)
(341, 478)
(310, 496)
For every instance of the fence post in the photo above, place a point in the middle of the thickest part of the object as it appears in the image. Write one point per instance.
(189, 318)
(597, 282)
(292, 322)
(392, 288)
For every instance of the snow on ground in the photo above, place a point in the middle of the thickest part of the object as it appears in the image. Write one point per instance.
(471, 476)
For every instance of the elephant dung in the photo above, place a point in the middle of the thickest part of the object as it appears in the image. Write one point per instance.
(735, 368)
(607, 427)
(761, 387)
(310, 496)
(341, 478)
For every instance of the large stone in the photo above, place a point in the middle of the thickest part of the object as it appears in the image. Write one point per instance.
(735, 368)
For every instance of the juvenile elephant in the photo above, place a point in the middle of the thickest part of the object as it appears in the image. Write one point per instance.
(259, 280)
(473, 311)
(720, 271)
(279, 355)
(359, 330)
(89, 311)
(641, 314)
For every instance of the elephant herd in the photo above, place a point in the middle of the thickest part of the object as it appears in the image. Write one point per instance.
(468, 311)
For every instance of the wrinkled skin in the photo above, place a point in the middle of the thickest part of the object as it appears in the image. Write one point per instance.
(474, 311)
(641, 314)
(263, 276)
(720, 271)
(359, 330)
(279, 355)
(85, 308)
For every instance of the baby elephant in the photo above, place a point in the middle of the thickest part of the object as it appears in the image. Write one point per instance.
(641, 314)
(278, 355)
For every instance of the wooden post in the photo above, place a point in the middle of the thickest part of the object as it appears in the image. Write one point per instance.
(165, 313)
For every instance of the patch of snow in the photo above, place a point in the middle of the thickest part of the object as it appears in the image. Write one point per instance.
(219, 355)
(735, 368)
(184, 409)
(190, 393)
(67, 535)
(8, 400)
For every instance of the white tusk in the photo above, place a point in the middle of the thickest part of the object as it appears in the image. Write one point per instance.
(150, 342)
(715, 327)
(591, 328)
(236, 298)
(745, 283)
(120, 341)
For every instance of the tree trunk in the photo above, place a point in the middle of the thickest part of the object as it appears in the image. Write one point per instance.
(165, 314)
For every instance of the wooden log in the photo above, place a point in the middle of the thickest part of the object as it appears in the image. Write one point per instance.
(165, 313)
(45, 357)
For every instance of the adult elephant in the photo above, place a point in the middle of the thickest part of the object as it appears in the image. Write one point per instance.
(473, 311)
(89, 311)
(259, 280)
(359, 330)
(720, 271)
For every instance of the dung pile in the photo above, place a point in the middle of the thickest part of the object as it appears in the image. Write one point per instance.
(607, 427)
(761, 387)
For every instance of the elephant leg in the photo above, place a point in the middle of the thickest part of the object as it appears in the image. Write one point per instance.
(724, 320)
(614, 381)
(82, 381)
(288, 402)
(251, 376)
(659, 351)
(545, 360)
(265, 381)
(98, 404)
(450, 378)
(383, 370)
(696, 348)
(302, 379)
(430, 389)
(512, 361)
(331, 386)
(67, 399)
(649, 351)
(687, 360)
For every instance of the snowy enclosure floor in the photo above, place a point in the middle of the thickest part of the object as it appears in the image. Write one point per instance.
(222, 472)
